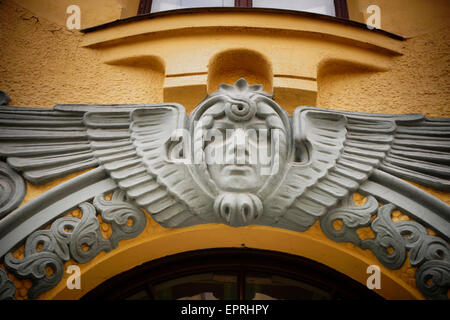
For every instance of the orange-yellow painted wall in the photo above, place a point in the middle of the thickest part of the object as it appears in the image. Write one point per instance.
(408, 18)
(93, 12)
(42, 64)
(182, 58)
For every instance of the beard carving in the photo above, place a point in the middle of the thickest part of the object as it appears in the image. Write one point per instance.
(238, 209)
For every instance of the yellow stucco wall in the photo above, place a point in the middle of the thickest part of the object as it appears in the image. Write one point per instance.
(43, 63)
(418, 81)
(408, 18)
(58, 67)
(93, 12)
(324, 63)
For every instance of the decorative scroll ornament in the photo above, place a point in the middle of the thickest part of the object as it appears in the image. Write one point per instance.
(431, 254)
(126, 220)
(237, 159)
(12, 189)
(7, 287)
(438, 273)
(79, 239)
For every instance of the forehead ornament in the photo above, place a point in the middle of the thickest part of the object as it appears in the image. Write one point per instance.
(240, 110)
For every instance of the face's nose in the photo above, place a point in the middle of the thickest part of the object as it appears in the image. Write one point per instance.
(237, 147)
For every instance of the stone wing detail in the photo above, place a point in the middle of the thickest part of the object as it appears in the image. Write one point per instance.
(45, 144)
(338, 151)
(172, 196)
(128, 141)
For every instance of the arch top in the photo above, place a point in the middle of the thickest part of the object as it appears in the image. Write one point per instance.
(156, 242)
(242, 266)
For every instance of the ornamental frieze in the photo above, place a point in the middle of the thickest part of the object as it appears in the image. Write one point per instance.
(238, 159)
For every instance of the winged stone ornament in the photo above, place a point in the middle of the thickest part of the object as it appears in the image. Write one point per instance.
(237, 159)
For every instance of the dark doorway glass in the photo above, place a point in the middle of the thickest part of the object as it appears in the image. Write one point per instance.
(260, 286)
(204, 286)
(232, 274)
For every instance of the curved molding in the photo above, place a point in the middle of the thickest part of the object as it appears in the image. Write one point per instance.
(7, 287)
(41, 211)
(164, 244)
(310, 38)
(411, 200)
(281, 21)
(74, 238)
(12, 189)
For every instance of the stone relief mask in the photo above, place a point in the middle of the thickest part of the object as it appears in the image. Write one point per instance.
(240, 146)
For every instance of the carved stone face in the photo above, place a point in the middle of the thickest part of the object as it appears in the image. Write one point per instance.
(240, 143)
(242, 148)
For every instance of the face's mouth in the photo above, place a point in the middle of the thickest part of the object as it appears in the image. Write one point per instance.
(238, 170)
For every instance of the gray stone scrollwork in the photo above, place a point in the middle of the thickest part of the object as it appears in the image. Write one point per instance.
(353, 217)
(126, 220)
(7, 287)
(35, 264)
(12, 189)
(79, 239)
(387, 238)
(433, 279)
(431, 254)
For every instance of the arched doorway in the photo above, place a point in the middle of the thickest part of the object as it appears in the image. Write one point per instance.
(231, 274)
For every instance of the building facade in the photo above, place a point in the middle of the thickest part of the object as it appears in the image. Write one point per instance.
(360, 88)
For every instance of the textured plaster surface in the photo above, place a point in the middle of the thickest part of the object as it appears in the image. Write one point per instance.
(419, 81)
(408, 18)
(93, 12)
(42, 64)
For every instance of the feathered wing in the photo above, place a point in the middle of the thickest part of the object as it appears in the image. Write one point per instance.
(128, 141)
(345, 148)
(44, 144)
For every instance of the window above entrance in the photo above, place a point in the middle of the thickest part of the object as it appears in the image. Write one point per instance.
(232, 274)
(334, 8)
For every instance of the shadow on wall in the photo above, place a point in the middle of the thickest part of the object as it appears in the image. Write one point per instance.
(336, 79)
(148, 67)
(231, 65)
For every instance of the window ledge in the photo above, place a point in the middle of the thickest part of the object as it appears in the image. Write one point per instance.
(284, 50)
(157, 22)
